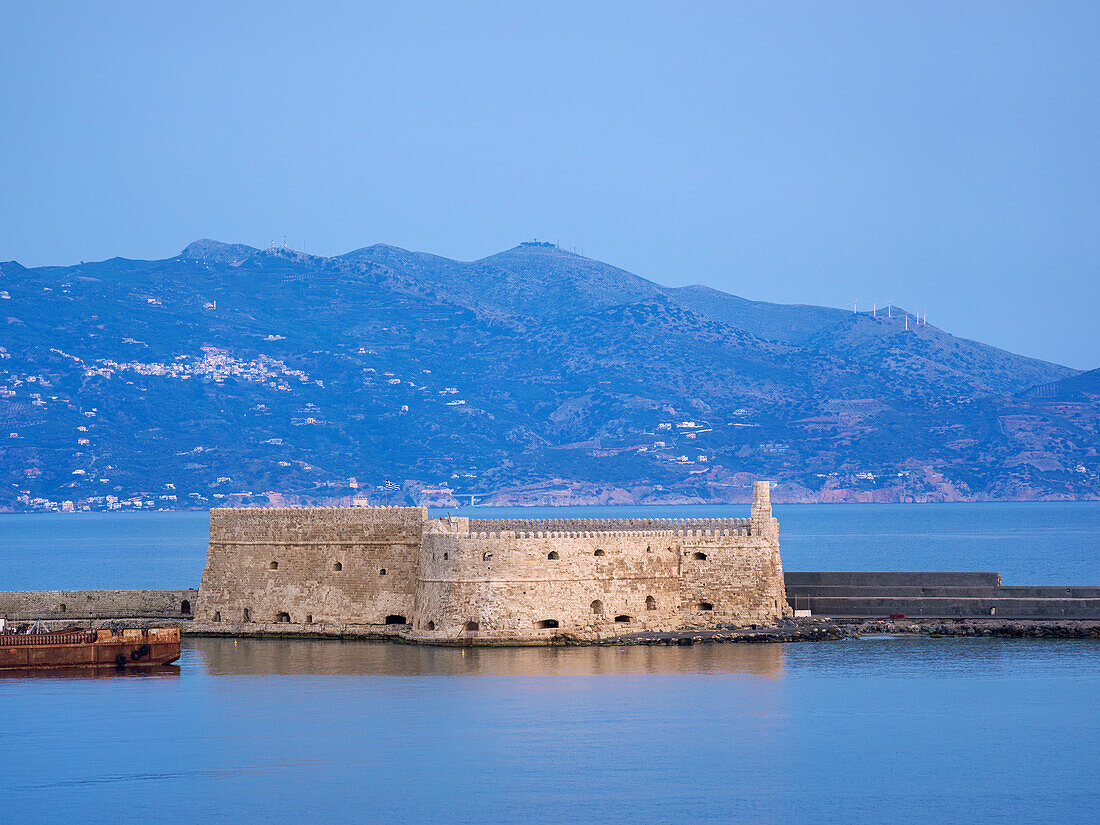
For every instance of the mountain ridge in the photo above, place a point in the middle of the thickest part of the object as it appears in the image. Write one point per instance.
(290, 376)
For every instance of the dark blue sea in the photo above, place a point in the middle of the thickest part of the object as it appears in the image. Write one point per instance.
(866, 731)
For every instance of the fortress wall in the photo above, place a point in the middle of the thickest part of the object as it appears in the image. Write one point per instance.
(507, 585)
(304, 524)
(741, 580)
(311, 565)
(454, 578)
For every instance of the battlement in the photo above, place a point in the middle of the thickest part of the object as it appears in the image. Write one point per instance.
(311, 509)
(742, 530)
(573, 526)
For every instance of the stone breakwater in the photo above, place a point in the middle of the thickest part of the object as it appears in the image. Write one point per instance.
(67, 605)
(820, 630)
(787, 630)
(1005, 628)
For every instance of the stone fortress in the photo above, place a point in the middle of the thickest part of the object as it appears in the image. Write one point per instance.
(456, 580)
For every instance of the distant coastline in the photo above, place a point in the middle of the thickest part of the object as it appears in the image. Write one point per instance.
(533, 377)
(529, 499)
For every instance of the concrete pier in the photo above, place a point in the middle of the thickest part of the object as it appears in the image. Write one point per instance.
(935, 595)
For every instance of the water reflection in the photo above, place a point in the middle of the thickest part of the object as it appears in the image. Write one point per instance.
(336, 732)
(281, 657)
(90, 672)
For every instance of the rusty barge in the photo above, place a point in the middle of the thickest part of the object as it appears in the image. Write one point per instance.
(132, 647)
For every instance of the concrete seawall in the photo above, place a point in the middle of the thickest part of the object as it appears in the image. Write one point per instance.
(935, 595)
(27, 605)
(891, 579)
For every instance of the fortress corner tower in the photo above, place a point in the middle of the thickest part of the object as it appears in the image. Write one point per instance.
(761, 513)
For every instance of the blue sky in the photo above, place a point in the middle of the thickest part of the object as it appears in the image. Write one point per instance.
(942, 156)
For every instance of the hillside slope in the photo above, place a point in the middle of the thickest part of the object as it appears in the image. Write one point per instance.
(531, 376)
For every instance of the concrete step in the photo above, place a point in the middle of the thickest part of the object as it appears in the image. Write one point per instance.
(949, 592)
(949, 607)
(890, 579)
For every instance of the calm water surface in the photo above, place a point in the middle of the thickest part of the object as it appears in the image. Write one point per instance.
(875, 730)
(1032, 543)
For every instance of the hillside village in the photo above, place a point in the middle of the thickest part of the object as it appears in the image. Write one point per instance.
(272, 377)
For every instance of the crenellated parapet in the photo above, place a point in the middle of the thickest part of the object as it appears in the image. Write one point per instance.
(608, 525)
(744, 531)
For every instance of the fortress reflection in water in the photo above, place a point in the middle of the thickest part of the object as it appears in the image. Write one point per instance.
(285, 657)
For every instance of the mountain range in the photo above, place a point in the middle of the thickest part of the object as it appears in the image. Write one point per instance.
(229, 374)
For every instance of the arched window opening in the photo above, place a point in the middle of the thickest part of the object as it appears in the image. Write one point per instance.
(382, 572)
(706, 606)
(700, 557)
(247, 614)
(446, 556)
(597, 607)
(547, 623)
(273, 566)
(650, 603)
(395, 619)
(282, 617)
(309, 618)
(552, 555)
(64, 607)
(599, 552)
(185, 607)
(486, 556)
(217, 615)
(624, 619)
(472, 626)
(430, 626)
(337, 566)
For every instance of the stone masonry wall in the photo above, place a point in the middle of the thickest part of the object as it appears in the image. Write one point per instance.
(311, 565)
(736, 582)
(457, 579)
(540, 585)
(27, 605)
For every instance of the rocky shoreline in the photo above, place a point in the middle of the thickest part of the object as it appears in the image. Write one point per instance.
(1006, 628)
(822, 629)
(789, 630)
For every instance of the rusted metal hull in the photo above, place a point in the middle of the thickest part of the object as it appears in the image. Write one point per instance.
(128, 648)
